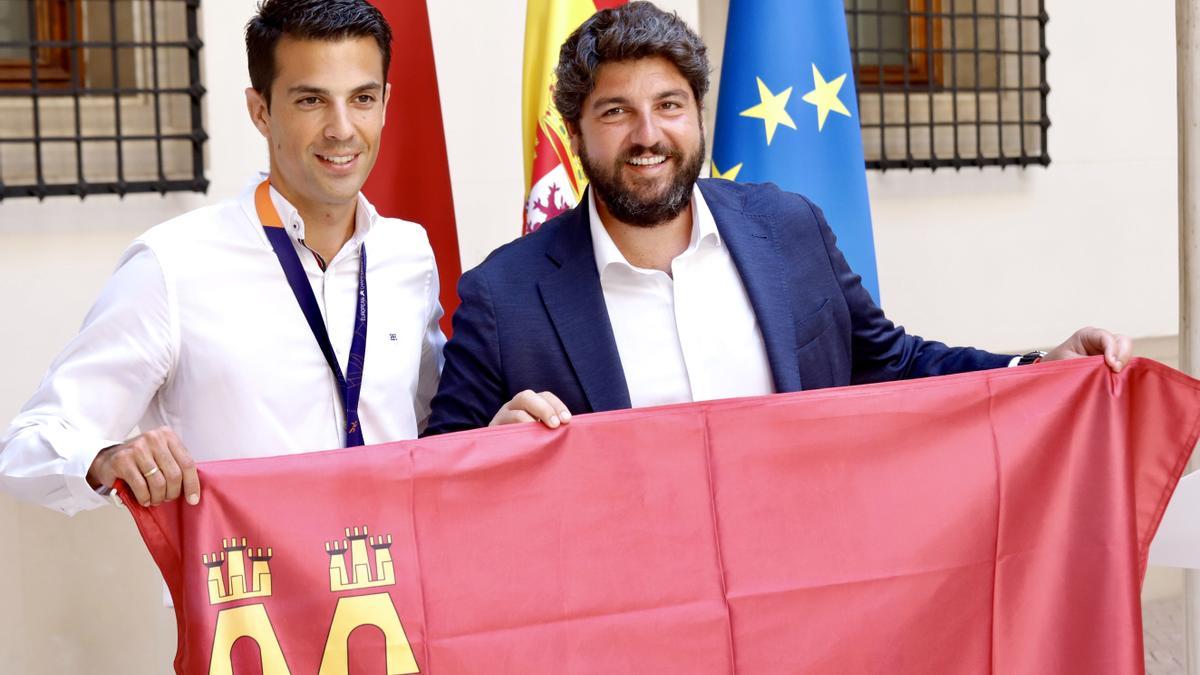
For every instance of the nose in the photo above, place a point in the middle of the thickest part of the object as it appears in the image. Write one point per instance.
(645, 132)
(338, 125)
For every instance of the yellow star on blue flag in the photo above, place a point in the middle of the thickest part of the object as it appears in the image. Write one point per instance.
(771, 109)
(825, 96)
(729, 174)
(775, 47)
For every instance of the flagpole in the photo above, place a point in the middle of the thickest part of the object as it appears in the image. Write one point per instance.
(1187, 28)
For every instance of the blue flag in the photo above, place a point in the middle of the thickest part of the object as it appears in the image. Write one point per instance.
(787, 114)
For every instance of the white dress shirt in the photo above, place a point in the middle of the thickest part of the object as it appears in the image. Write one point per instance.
(198, 329)
(688, 336)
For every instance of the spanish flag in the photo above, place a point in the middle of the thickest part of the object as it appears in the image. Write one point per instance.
(554, 179)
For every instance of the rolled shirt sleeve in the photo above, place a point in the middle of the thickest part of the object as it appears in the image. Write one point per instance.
(96, 390)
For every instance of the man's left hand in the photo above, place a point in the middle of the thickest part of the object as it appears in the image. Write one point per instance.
(1117, 349)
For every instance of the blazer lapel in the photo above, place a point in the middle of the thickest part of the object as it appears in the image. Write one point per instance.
(762, 268)
(575, 302)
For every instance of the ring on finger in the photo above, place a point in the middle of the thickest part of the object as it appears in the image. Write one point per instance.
(151, 472)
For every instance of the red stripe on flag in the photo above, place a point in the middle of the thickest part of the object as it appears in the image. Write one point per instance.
(411, 179)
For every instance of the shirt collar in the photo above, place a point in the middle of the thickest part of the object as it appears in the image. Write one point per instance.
(704, 229)
(364, 214)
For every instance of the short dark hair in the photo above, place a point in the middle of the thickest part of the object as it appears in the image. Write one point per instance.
(309, 20)
(634, 31)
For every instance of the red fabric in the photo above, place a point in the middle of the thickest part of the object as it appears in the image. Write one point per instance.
(991, 522)
(411, 179)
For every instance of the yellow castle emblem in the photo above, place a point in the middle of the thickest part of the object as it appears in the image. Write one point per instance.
(241, 587)
(355, 573)
(350, 569)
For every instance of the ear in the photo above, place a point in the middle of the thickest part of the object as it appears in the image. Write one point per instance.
(387, 96)
(574, 136)
(260, 112)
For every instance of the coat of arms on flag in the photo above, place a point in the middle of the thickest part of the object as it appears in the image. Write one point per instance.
(554, 179)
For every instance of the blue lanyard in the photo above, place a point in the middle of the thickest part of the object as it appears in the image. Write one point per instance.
(349, 385)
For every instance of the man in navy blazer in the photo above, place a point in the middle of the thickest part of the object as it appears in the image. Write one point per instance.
(546, 320)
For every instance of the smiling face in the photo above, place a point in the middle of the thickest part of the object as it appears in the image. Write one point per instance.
(640, 140)
(324, 120)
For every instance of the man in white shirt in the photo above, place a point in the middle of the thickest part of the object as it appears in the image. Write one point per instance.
(246, 328)
(660, 288)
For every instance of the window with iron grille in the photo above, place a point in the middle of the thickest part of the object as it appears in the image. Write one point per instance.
(100, 96)
(950, 83)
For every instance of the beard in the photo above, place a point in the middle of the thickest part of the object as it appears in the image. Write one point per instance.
(641, 202)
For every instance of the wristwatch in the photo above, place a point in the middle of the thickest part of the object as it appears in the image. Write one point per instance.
(1031, 358)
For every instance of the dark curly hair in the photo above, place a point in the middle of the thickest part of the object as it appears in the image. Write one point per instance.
(309, 20)
(634, 31)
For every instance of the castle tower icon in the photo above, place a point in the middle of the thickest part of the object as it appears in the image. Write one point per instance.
(355, 572)
(241, 586)
(350, 569)
(244, 621)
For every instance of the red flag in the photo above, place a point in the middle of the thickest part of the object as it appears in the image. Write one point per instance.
(990, 522)
(411, 179)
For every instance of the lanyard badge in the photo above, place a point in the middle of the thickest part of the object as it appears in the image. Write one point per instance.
(350, 384)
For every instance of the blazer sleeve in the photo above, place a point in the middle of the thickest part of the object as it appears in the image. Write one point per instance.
(471, 388)
(881, 350)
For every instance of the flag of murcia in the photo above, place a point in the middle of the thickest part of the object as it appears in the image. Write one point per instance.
(988, 522)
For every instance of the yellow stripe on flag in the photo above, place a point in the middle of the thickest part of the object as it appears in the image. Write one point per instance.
(548, 23)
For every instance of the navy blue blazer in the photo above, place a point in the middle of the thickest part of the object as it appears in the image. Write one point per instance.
(533, 314)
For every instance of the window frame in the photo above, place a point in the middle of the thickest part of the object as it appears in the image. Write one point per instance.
(62, 159)
(926, 62)
(941, 120)
(52, 23)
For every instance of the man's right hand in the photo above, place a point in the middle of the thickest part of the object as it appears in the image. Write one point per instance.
(530, 406)
(155, 466)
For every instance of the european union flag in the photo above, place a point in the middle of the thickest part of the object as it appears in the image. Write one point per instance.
(787, 114)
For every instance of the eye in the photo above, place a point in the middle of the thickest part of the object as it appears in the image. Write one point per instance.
(309, 101)
(364, 99)
(612, 112)
(670, 105)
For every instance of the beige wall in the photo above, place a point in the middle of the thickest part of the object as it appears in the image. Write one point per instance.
(1003, 259)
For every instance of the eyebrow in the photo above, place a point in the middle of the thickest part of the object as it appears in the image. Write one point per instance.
(621, 100)
(319, 91)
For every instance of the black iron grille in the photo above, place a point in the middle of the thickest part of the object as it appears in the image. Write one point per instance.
(100, 96)
(951, 83)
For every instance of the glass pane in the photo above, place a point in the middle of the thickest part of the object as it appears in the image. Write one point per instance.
(177, 159)
(14, 27)
(141, 160)
(58, 163)
(880, 31)
(17, 163)
(17, 120)
(100, 162)
(175, 112)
